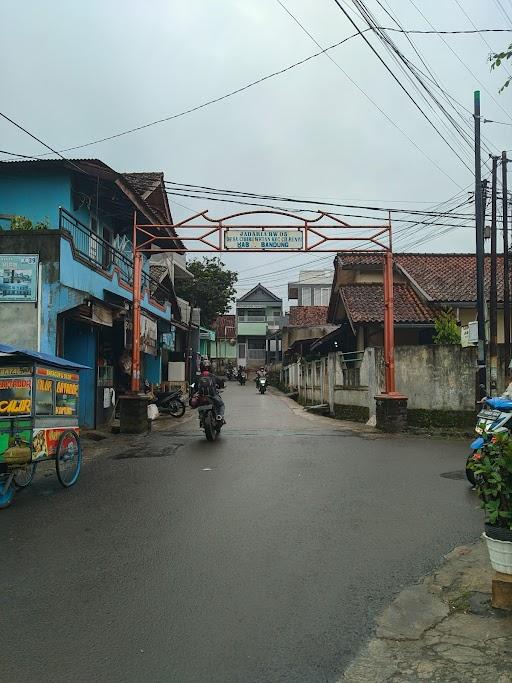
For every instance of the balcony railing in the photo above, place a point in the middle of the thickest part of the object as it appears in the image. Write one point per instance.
(104, 256)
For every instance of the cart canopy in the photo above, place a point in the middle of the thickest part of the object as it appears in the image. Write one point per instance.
(14, 352)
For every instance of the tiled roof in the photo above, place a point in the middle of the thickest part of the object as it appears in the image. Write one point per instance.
(224, 326)
(144, 183)
(443, 277)
(364, 303)
(307, 316)
(158, 272)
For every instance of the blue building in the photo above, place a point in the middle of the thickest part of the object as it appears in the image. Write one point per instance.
(66, 272)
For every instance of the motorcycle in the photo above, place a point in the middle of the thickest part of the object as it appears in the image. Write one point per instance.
(262, 384)
(230, 374)
(494, 418)
(242, 378)
(168, 402)
(207, 417)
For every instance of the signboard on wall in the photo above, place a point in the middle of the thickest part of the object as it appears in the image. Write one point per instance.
(271, 240)
(148, 335)
(18, 277)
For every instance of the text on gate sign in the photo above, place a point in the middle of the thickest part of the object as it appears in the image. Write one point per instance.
(263, 239)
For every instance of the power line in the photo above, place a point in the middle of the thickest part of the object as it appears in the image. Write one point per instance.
(459, 59)
(400, 84)
(503, 11)
(256, 82)
(215, 100)
(15, 154)
(500, 123)
(370, 99)
(206, 189)
(34, 137)
(415, 77)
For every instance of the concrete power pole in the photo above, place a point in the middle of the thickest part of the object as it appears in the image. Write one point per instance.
(506, 262)
(493, 312)
(480, 288)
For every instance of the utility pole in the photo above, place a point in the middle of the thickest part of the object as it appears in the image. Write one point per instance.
(506, 262)
(493, 317)
(480, 289)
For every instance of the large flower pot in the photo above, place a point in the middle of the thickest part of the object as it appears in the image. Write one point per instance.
(499, 545)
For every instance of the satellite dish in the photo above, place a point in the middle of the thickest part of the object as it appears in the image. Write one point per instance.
(232, 342)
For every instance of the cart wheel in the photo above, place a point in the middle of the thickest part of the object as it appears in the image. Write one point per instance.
(23, 477)
(68, 458)
(6, 494)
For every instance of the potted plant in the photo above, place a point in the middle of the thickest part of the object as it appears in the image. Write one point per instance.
(492, 466)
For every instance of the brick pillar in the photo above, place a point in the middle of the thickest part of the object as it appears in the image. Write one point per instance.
(391, 413)
(133, 414)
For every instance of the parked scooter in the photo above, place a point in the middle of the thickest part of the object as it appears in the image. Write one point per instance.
(262, 384)
(494, 417)
(230, 374)
(168, 402)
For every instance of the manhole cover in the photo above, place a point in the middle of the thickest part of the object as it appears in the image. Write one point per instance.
(146, 453)
(458, 474)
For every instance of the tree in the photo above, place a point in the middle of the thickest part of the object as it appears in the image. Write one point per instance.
(447, 328)
(496, 61)
(212, 289)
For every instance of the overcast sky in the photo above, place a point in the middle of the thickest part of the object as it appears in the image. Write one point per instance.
(73, 71)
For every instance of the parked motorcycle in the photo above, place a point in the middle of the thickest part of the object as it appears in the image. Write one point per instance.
(494, 417)
(262, 384)
(230, 374)
(168, 402)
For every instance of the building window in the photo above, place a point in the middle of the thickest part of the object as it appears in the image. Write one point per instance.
(326, 293)
(306, 296)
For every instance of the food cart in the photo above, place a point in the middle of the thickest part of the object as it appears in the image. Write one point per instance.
(38, 418)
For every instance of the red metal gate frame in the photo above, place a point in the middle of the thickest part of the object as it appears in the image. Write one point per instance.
(315, 239)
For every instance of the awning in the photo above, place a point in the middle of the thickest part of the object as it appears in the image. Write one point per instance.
(14, 352)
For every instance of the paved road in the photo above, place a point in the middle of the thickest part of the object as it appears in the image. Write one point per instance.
(261, 558)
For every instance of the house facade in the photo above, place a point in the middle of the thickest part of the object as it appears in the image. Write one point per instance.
(77, 219)
(258, 324)
(225, 348)
(304, 326)
(424, 284)
(313, 288)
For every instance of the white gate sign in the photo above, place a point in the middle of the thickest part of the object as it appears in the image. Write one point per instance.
(263, 239)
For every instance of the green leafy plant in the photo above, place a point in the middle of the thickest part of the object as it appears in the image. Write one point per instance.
(497, 60)
(42, 225)
(212, 289)
(492, 466)
(447, 330)
(21, 223)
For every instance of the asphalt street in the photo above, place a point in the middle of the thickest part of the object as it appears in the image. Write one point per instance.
(262, 557)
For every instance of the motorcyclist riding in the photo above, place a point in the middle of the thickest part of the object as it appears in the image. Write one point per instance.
(261, 372)
(212, 388)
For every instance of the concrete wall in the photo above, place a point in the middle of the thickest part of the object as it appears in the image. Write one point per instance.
(439, 382)
(34, 194)
(24, 324)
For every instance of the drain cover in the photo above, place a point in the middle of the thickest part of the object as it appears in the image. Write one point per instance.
(132, 453)
(458, 474)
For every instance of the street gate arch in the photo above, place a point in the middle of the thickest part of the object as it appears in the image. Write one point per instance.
(208, 235)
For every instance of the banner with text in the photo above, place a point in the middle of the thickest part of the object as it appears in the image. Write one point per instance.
(280, 240)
